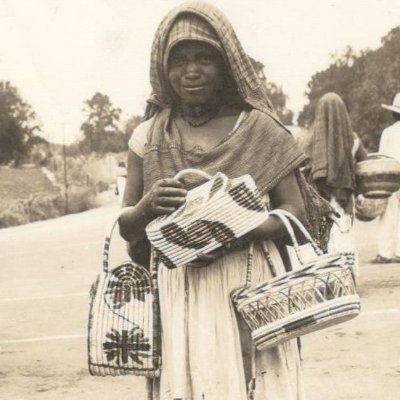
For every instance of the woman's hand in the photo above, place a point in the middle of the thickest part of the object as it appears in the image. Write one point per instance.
(165, 196)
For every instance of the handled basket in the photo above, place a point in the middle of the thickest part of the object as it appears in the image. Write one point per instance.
(319, 295)
(123, 329)
(214, 214)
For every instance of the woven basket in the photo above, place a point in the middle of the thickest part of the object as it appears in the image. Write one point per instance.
(124, 330)
(367, 209)
(319, 295)
(378, 176)
(215, 213)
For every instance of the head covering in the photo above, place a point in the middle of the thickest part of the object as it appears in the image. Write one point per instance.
(174, 27)
(330, 147)
(190, 27)
(395, 107)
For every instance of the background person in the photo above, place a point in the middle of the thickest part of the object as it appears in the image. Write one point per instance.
(389, 227)
(334, 148)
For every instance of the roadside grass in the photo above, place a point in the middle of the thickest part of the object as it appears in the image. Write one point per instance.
(27, 195)
(21, 183)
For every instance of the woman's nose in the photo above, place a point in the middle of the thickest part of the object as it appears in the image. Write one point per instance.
(192, 70)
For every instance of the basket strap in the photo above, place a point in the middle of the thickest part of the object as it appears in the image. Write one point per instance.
(303, 230)
(267, 256)
(107, 239)
(286, 222)
(249, 271)
(154, 264)
(251, 389)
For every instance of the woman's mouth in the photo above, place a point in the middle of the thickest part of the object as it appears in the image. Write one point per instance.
(194, 89)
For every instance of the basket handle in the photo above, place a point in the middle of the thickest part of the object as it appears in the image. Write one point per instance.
(286, 218)
(107, 239)
(303, 230)
(188, 171)
(219, 177)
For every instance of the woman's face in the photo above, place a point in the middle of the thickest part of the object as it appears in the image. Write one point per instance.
(195, 72)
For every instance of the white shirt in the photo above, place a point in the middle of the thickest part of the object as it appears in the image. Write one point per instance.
(389, 144)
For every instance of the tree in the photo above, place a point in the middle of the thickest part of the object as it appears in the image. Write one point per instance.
(364, 81)
(131, 124)
(100, 130)
(275, 93)
(17, 125)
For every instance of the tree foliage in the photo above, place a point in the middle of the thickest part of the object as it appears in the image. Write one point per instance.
(100, 130)
(364, 81)
(131, 124)
(275, 93)
(17, 125)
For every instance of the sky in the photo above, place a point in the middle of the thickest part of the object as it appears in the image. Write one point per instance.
(59, 53)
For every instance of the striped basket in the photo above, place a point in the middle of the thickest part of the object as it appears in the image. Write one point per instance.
(124, 331)
(319, 295)
(215, 213)
(378, 176)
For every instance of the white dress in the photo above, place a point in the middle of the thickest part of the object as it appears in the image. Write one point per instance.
(203, 344)
(206, 347)
(389, 224)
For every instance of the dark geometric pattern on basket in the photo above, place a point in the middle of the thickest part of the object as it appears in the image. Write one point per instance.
(378, 185)
(125, 284)
(215, 213)
(243, 196)
(216, 186)
(197, 234)
(164, 259)
(123, 346)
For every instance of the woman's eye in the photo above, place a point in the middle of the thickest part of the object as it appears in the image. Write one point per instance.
(177, 60)
(205, 59)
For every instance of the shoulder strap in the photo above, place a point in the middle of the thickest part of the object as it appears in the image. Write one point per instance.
(107, 239)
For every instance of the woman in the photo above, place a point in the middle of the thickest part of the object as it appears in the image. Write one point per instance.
(334, 149)
(210, 111)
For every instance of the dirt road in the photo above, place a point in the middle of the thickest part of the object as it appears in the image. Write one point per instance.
(45, 275)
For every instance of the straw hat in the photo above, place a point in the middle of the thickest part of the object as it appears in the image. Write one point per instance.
(395, 107)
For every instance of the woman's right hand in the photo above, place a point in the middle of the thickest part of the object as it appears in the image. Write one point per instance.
(165, 196)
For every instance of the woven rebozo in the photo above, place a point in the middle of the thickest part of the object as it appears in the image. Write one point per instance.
(124, 331)
(319, 295)
(215, 213)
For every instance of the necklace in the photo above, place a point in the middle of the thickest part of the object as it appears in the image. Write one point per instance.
(198, 116)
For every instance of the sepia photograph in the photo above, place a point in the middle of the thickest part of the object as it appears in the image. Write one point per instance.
(199, 200)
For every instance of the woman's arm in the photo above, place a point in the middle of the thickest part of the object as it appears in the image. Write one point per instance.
(286, 195)
(163, 198)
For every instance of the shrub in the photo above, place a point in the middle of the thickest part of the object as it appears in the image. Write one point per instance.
(39, 207)
(11, 217)
(80, 199)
